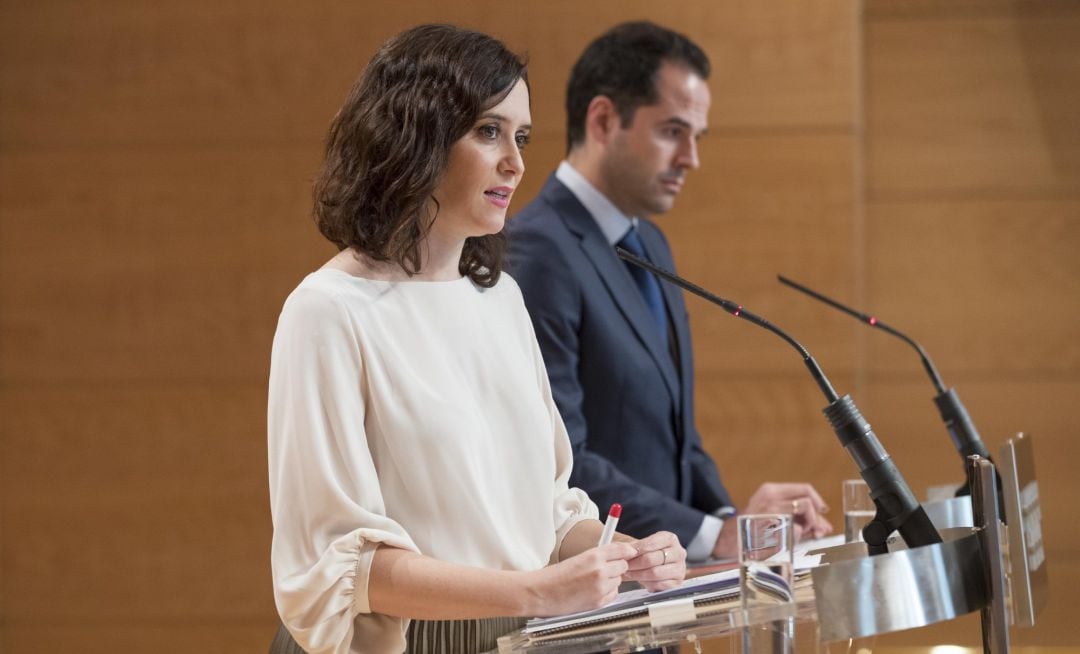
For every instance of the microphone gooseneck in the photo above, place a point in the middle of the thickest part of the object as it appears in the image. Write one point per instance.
(897, 508)
(873, 322)
(736, 310)
(953, 413)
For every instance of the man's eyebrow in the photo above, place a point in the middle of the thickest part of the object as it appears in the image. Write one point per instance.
(675, 120)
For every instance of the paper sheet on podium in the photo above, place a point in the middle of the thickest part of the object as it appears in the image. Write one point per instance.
(636, 607)
(697, 597)
(711, 593)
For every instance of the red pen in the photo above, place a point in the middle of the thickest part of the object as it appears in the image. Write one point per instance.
(610, 524)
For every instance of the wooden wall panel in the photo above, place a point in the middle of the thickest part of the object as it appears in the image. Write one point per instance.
(967, 278)
(136, 502)
(247, 72)
(761, 428)
(762, 205)
(971, 233)
(154, 213)
(765, 203)
(781, 63)
(166, 260)
(973, 104)
(204, 73)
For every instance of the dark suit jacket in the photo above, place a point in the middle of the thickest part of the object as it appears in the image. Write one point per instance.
(629, 408)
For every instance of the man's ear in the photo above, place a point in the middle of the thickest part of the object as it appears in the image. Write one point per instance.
(601, 119)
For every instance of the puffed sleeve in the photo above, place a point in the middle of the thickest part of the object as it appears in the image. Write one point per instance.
(328, 511)
(572, 505)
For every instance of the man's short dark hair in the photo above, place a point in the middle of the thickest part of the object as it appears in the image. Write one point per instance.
(622, 65)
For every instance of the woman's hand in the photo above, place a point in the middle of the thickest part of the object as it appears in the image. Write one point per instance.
(660, 563)
(582, 582)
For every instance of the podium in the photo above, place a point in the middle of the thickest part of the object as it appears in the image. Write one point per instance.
(990, 565)
(863, 596)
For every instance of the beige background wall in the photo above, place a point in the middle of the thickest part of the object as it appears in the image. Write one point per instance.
(919, 159)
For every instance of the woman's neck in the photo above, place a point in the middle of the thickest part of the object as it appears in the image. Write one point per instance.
(438, 263)
(440, 257)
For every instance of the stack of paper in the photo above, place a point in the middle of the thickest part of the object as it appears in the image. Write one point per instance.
(695, 597)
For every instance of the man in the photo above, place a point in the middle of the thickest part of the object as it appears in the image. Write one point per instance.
(616, 341)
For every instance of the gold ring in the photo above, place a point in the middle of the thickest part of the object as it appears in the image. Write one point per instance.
(664, 552)
(795, 507)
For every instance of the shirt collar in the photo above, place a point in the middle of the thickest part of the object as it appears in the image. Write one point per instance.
(612, 222)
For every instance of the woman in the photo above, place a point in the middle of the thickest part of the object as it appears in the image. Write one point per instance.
(418, 466)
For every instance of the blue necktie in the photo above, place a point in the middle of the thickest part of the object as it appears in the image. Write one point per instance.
(646, 282)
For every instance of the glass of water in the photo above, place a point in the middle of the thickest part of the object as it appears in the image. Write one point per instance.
(859, 509)
(766, 583)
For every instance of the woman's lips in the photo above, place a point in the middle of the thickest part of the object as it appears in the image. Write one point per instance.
(499, 196)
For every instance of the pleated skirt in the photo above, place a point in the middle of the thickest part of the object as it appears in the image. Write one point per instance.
(433, 636)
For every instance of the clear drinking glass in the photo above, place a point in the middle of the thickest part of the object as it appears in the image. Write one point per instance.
(859, 509)
(766, 583)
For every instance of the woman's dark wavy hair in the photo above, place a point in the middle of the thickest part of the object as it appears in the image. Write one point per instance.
(389, 144)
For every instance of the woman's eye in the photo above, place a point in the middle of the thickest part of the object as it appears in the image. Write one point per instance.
(522, 140)
(489, 132)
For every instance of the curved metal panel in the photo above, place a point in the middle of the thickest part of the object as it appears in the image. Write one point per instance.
(953, 512)
(900, 590)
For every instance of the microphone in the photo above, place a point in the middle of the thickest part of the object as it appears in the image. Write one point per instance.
(961, 429)
(897, 508)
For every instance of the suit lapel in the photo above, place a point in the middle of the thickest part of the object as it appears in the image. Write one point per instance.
(612, 271)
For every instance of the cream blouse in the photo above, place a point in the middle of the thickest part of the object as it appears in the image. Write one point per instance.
(415, 414)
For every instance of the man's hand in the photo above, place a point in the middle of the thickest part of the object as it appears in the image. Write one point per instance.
(802, 501)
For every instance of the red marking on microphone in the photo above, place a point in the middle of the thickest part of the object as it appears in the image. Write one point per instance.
(737, 310)
(873, 320)
(616, 511)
